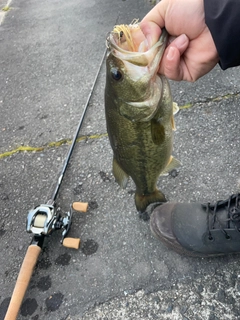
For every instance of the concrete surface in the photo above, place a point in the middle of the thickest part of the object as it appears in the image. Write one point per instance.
(50, 52)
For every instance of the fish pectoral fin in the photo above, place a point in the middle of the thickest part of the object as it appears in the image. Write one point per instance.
(157, 131)
(119, 174)
(172, 164)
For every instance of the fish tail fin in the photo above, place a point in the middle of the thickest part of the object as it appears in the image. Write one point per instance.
(142, 201)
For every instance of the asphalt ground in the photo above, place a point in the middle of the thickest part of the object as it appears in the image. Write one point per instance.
(49, 56)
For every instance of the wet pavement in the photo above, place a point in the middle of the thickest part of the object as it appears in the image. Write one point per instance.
(50, 53)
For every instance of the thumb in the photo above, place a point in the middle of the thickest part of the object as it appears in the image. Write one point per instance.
(151, 31)
(152, 23)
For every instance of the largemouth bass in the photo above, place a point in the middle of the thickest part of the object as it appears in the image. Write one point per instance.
(139, 112)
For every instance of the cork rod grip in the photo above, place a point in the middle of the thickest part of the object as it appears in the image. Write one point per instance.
(23, 280)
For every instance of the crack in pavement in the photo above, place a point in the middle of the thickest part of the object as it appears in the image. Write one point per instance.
(212, 99)
(97, 136)
(5, 7)
(50, 145)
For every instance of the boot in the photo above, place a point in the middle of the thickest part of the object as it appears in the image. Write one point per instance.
(200, 230)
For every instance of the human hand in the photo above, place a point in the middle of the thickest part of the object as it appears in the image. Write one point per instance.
(191, 52)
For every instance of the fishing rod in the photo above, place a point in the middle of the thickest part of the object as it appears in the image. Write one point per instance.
(43, 220)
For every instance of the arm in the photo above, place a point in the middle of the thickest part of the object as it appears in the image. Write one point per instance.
(223, 20)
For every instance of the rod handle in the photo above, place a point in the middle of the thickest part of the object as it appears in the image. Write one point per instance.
(22, 283)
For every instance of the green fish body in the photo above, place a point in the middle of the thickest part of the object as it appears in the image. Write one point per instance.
(139, 116)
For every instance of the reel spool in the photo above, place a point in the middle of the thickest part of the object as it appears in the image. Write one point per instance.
(39, 220)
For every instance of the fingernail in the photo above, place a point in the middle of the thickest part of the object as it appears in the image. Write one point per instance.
(149, 40)
(170, 54)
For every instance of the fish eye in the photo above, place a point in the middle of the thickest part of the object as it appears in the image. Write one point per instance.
(116, 74)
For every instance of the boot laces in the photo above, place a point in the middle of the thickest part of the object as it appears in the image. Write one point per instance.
(232, 205)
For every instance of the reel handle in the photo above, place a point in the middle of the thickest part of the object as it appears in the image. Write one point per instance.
(73, 243)
(80, 206)
(23, 280)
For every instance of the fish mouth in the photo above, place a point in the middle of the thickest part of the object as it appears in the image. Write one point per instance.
(128, 43)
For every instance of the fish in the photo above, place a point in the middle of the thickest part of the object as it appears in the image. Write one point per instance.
(139, 112)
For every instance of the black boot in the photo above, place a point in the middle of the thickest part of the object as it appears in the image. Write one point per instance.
(199, 229)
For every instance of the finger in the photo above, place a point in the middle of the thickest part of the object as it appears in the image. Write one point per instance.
(171, 62)
(152, 23)
(151, 31)
(181, 43)
(157, 15)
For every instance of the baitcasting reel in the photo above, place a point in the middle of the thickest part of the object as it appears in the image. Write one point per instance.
(44, 219)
